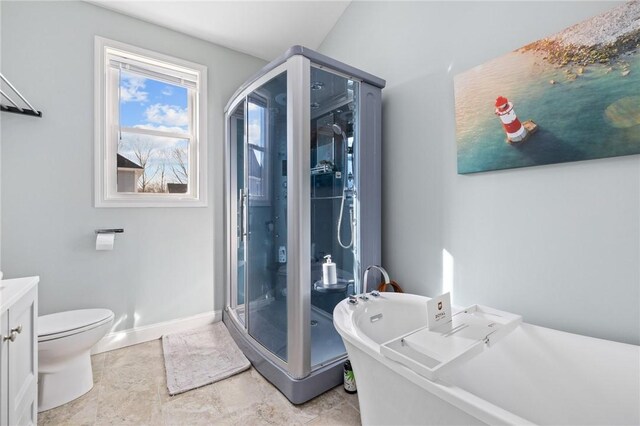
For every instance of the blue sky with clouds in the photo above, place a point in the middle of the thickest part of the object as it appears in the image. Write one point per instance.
(151, 104)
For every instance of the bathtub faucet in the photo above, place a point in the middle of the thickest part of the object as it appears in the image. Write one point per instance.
(382, 271)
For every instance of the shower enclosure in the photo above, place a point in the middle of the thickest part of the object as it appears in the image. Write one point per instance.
(302, 184)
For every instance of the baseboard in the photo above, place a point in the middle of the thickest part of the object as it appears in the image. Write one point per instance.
(133, 336)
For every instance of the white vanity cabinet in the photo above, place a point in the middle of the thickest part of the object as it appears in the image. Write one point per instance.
(19, 351)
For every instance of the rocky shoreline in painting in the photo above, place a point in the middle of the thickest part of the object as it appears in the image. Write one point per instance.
(605, 40)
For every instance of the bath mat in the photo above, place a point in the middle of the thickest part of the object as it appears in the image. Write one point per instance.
(200, 357)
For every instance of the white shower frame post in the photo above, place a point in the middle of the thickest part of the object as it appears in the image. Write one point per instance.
(298, 213)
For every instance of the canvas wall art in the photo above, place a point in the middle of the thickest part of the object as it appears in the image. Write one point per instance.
(568, 97)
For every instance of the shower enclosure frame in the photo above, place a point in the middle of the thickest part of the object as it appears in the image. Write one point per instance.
(296, 378)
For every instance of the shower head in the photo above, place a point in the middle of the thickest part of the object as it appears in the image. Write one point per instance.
(336, 129)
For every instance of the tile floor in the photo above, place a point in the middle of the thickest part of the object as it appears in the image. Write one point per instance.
(130, 389)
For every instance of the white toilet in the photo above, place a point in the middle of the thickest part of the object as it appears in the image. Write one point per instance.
(65, 340)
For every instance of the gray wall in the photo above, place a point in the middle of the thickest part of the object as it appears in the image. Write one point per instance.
(168, 263)
(559, 244)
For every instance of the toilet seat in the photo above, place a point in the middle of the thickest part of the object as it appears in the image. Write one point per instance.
(63, 324)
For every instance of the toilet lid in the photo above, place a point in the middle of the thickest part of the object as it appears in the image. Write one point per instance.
(64, 322)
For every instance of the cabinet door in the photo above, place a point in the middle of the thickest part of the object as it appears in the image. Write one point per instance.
(4, 369)
(23, 365)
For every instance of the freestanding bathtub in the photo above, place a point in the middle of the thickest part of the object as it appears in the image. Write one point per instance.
(534, 375)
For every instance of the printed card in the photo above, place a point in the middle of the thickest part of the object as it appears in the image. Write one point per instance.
(439, 311)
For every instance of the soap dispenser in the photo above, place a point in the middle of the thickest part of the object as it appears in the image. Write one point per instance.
(329, 276)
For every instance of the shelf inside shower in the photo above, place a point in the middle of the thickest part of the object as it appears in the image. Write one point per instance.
(341, 286)
(322, 169)
(335, 197)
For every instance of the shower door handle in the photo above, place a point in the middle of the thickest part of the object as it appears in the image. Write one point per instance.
(243, 214)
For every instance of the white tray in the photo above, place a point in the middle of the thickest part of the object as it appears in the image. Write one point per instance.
(430, 352)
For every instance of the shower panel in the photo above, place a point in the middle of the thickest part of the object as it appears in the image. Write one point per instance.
(302, 184)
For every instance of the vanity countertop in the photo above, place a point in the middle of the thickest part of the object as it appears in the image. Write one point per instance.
(14, 289)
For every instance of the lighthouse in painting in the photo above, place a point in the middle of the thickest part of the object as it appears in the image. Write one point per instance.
(516, 132)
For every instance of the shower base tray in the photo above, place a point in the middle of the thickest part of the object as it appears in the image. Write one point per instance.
(298, 391)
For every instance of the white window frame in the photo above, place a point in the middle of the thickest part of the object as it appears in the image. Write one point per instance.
(107, 127)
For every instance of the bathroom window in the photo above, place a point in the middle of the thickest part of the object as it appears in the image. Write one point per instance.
(150, 128)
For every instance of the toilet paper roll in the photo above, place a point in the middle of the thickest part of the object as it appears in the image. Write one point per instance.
(105, 241)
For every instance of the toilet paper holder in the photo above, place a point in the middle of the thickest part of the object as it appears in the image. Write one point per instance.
(110, 231)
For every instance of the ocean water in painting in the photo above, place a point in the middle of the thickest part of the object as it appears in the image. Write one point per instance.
(582, 111)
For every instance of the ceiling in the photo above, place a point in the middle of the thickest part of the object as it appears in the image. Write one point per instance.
(264, 29)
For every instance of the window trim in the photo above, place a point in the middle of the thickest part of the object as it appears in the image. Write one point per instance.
(105, 169)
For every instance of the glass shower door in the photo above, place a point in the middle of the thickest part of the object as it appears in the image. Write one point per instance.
(265, 185)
